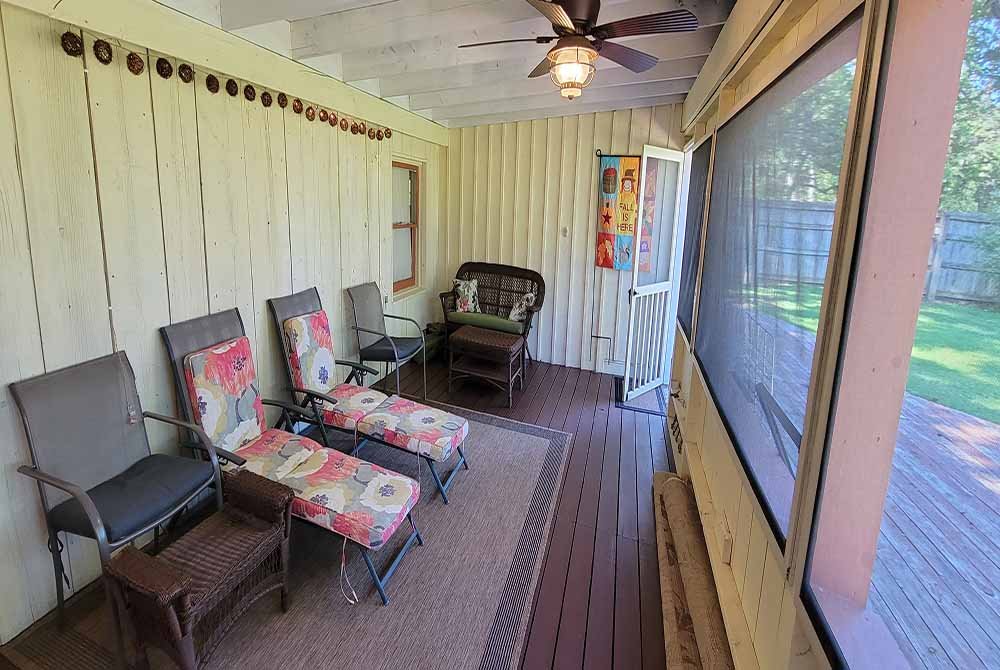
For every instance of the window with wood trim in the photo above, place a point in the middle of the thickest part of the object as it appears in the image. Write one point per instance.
(405, 225)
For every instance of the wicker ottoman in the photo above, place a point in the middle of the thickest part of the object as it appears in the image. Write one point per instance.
(490, 355)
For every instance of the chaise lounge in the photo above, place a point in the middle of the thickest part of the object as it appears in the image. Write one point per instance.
(370, 415)
(217, 386)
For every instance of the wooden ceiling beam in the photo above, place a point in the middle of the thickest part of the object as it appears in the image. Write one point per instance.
(456, 22)
(437, 54)
(245, 13)
(627, 93)
(563, 110)
(520, 85)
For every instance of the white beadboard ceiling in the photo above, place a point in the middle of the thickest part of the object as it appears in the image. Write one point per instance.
(406, 51)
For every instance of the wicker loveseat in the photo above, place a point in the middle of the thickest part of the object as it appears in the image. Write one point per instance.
(499, 287)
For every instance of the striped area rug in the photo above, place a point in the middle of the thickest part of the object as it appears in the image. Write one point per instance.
(463, 600)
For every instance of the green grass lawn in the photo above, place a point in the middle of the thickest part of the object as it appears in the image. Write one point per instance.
(956, 353)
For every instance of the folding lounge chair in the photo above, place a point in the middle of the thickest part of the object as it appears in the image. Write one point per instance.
(216, 381)
(366, 413)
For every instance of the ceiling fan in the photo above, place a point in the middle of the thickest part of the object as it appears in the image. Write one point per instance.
(580, 39)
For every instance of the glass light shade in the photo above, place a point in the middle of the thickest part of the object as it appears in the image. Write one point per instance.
(572, 68)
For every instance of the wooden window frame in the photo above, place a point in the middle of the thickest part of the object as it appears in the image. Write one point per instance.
(413, 227)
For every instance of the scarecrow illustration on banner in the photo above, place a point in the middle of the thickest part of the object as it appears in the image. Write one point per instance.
(618, 207)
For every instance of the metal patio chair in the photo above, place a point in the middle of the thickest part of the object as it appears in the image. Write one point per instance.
(365, 413)
(92, 463)
(213, 369)
(374, 342)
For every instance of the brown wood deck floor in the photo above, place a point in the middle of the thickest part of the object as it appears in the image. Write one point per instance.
(598, 602)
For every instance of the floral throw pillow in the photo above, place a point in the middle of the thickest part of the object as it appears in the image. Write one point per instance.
(519, 310)
(467, 295)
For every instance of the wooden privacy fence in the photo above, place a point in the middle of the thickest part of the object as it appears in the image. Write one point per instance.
(795, 242)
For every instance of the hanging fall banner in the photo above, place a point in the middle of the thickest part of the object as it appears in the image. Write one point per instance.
(617, 212)
(648, 215)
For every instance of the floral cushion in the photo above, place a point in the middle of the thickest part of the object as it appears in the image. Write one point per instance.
(353, 403)
(416, 427)
(359, 500)
(466, 295)
(519, 310)
(309, 347)
(276, 453)
(222, 389)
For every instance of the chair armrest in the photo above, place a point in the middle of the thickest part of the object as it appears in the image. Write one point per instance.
(151, 577)
(223, 454)
(314, 395)
(288, 407)
(395, 352)
(206, 442)
(357, 366)
(81, 496)
(447, 302)
(265, 499)
(404, 318)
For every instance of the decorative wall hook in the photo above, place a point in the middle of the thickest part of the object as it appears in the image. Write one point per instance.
(282, 100)
(362, 128)
(185, 72)
(388, 133)
(72, 44)
(265, 99)
(164, 68)
(344, 124)
(333, 119)
(297, 106)
(212, 83)
(135, 63)
(379, 135)
(371, 133)
(355, 128)
(250, 93)
(310, 113)
(323, 115)
(102, 51)
(232, 88)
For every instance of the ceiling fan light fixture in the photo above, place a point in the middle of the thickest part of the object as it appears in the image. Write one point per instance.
(571, 65)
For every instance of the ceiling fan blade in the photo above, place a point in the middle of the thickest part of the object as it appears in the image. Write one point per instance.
(541, 39)
(675, 21)
(556, 15)
(541, 69)
(633, 59)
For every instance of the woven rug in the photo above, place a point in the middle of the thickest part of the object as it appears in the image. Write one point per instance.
(463, 600)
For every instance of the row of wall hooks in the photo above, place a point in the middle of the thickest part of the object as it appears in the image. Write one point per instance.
(72, 44)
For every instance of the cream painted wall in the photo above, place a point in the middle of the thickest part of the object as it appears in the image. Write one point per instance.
(129, 202)
(525, 194)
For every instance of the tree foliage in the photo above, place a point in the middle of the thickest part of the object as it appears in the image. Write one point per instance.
(972, 173)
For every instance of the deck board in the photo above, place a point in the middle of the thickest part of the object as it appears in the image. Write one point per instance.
(597, 605)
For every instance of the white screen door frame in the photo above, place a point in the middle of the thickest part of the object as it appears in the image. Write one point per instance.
(652, 307)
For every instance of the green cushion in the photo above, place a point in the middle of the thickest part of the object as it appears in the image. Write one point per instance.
(487, 321)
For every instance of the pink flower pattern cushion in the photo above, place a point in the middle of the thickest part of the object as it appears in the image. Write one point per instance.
(416, 427)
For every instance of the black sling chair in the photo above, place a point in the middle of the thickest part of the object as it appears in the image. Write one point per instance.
(374, 342)
(91, 460)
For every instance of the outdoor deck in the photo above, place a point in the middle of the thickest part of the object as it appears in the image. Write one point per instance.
(598, 602)
(937, 566)
(938, 560)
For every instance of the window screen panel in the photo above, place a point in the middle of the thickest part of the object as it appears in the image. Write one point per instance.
(774, 188)
(693, 218)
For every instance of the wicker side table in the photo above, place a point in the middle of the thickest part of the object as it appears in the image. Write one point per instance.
(489, 355)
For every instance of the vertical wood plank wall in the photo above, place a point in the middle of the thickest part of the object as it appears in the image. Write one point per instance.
(128, 202)
(525, 194)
